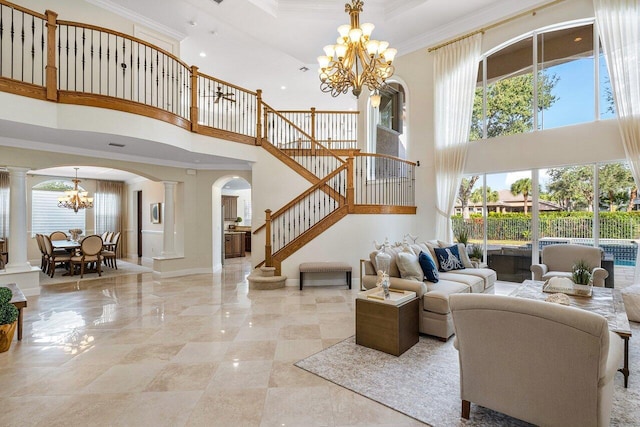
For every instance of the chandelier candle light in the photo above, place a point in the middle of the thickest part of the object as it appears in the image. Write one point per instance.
(356, 60)
(74, 199)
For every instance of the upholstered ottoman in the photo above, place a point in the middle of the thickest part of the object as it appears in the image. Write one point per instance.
(325, 267)
(631, 298)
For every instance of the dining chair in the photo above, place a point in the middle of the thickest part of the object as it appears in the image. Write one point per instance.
(104, 236)
(109, 255)
(54, 257)
(90, 252)
(58, 235)
(44, 261)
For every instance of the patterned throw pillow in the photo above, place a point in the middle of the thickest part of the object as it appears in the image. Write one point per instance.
(449, 258)
(428, 267)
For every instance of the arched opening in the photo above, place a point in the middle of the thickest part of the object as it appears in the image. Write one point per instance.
(231, 216)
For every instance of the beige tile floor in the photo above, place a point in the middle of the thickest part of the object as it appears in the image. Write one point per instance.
(199, 350)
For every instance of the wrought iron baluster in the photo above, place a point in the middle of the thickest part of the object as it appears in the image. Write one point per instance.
(22, 40)
(33, 48)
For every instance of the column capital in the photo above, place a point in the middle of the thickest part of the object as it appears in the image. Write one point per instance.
(18, 170)
(170, 183)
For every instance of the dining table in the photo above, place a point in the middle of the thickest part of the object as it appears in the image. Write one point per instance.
(65, 244)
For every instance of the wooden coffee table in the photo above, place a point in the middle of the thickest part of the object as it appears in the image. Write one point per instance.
(387, 327)
(604, 301)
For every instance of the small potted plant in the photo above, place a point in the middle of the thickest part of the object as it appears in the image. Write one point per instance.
(581, 273)
(8, 319)
(238, 220)
(476, 253)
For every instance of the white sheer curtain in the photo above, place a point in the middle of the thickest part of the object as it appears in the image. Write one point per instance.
(109, 212)
(619, 25)
(456, 73)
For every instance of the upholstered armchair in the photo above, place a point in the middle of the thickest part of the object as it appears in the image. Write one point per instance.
(541, 362)
(558, 260)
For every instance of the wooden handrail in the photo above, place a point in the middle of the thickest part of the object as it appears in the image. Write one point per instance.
(124, 36)
(23, 9)
(231, 85)
(318, 111)
(385, 156)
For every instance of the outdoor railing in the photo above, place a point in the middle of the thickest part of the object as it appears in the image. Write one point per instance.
(383, 180)
(336, 130)
(619, 225)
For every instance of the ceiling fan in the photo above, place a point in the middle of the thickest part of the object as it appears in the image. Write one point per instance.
(229, 96)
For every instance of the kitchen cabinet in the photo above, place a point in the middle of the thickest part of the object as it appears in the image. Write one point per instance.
(234, 244)
(230, 204)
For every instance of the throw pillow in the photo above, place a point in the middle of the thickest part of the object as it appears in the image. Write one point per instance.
(449, 258)
(409, 266)
(464, 256)
(428, 266)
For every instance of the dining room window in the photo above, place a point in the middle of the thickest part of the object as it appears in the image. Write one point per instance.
(46, 216)
(108, 206)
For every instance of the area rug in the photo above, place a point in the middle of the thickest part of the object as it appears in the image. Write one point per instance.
(124, 268)
(423, 383)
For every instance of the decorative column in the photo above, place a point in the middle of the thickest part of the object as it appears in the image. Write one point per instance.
(169, 239)
(18, 260)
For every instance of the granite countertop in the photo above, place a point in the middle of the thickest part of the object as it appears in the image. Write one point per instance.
(234, 232)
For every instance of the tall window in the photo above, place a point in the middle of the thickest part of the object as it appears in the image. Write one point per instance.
(46, 216)
(541, 80)
(388, 130)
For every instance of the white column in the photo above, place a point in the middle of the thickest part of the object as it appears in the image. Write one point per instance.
(18, 220)
(169, 239)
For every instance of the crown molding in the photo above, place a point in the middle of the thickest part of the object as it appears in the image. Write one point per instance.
(395, 8)
(138, 18)
(467, 23)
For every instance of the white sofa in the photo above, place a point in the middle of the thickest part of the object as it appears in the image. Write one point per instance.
(435, 314)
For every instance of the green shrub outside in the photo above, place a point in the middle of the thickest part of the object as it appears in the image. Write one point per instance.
(517, 226)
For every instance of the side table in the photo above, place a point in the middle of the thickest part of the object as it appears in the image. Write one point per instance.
(385, 326)
(19, 301)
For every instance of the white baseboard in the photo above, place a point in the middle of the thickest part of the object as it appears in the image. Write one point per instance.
(177, 273)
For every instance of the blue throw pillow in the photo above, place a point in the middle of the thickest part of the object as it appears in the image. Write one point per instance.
(449, 258)
(428, 267)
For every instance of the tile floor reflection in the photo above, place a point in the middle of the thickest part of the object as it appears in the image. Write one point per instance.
(199, 350)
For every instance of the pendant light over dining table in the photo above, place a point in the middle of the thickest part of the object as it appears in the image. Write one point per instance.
(356, 60)
(75, 199)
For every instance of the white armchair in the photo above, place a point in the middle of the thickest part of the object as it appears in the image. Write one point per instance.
(558, 260)
(543, 363)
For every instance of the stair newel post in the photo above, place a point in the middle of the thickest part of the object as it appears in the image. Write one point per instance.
(259, 117)
(313, 130)
(194, 98)
(268, 260)
(350, 188)
(52, 70)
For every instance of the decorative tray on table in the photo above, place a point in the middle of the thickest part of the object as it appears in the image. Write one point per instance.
(565, 285)
(396, 296)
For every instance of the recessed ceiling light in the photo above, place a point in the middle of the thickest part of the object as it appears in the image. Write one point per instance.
(283, 87)
(114, 144)
(235, 177)
(303, 69)
(202, 54)
(193, 23)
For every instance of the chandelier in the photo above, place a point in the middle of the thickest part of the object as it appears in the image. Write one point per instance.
(356, 60)
(74, 199)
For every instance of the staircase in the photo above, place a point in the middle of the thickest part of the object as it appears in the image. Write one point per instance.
(332, 194)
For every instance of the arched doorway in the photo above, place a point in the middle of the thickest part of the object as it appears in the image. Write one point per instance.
(231, 216)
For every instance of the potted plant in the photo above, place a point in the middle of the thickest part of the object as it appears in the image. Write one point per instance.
(475, 253)
(581, 273)
(8, 319)
(239, 220)
(462, 236)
